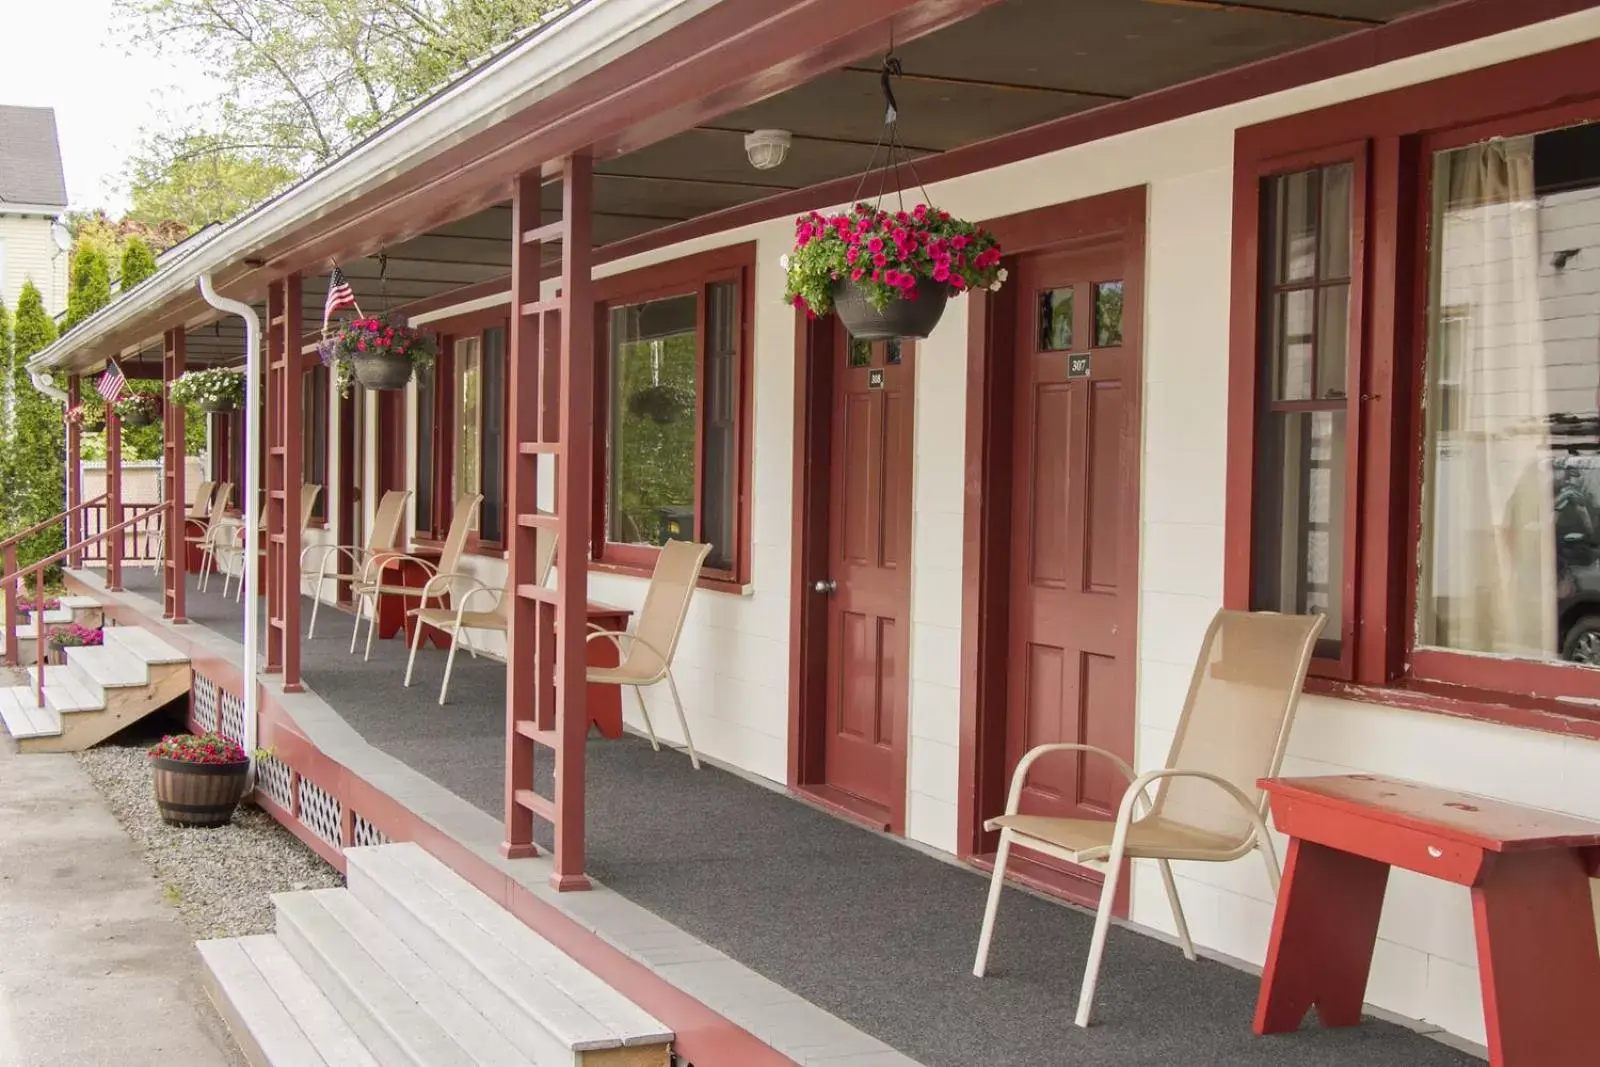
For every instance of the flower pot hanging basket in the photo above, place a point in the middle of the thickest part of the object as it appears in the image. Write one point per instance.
(212, 389)
(136, 418)
(910, 318)
(381, 372)
(198, 780)
(215, 406)
(94, 426)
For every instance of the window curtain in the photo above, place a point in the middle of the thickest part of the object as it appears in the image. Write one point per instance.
(1490, 530)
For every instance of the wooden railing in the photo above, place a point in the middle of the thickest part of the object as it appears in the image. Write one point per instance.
(141, 543)
(14, 581)
(8, 547)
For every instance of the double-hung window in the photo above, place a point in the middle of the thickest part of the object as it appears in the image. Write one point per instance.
(1414, 439)
(672, 360)
(460, 440)
(314, 435)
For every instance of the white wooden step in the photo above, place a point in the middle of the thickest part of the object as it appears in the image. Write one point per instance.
(23, 717)
(66, 691)
(78, 603)
(403, 1014)
(275, 1009)
(107, 667)
(512, 974)
(143, 645)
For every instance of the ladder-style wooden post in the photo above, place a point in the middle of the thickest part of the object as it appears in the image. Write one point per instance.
(272, 456)
(74, 474)
(113, 499)
(175, 456)
(551, 430)
(291, 413)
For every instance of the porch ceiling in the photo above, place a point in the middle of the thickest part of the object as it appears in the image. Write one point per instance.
(1013, 65)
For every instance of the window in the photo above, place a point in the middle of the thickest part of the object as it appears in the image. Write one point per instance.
(460, 440)
(1414, 399)
(672, 396)
(314, 439)
(1298, 558)
(1510, 530)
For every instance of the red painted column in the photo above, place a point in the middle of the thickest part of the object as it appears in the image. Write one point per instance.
(175, 455)
(291, 478)
(113, 499)
(272, 457)
(74, 473)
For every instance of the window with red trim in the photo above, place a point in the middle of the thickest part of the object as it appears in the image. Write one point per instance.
(672, 370)
(460, 443)
(1414, 440)
(314, 384)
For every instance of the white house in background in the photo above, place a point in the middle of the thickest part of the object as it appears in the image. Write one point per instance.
(33, 192)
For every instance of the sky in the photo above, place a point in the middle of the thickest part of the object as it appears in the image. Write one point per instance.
(72, 58)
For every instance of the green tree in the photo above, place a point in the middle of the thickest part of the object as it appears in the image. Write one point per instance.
(5, 404)
(198, 179)
(138, 263)
(90, 288)
(35, 478)
(300, 82)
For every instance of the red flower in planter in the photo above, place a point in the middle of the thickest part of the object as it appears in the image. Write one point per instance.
(197, 748)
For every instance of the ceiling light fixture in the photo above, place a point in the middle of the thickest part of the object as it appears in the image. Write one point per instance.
(767, 148)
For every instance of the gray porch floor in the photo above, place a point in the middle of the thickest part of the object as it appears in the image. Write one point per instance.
(865, 927)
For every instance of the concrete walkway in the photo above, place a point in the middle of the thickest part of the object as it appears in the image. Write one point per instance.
(94, 968)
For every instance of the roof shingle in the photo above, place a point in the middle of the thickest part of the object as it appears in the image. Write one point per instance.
(30, 157)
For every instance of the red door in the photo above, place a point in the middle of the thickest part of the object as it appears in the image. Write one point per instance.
(1074, 531)
(869, 575)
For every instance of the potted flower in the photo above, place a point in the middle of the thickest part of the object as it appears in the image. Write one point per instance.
(380, 353)
(72, 635)
(138, 409)
(888, 275)
(25, 608)
(215, 389)
(199, 779)
(89, 416)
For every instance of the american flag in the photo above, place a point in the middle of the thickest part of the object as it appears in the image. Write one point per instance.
(111, 385)
(340, 295)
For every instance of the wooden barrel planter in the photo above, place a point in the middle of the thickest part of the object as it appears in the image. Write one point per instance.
(198, 794)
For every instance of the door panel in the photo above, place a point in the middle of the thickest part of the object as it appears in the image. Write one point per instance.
(1074, 530)
(868, 552)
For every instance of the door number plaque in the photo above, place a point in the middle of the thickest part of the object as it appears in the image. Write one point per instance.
(1078, 366)
(875, 378)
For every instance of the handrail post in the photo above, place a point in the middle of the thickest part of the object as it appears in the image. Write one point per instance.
(39, 640)
(13, 593)
(113, 500)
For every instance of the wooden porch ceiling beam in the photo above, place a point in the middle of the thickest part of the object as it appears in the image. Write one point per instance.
(980, 83)
(1233, 8)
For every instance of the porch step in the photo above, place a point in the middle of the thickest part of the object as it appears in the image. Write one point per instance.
(142, 645)
(418, 969)
(24, 719)
(276, 1012)
(66, 691)
(107, 666)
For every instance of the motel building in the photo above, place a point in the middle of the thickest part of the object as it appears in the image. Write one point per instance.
(1301, 315)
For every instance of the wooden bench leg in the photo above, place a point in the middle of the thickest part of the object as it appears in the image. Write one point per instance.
(1537, 959)
(1322, 938)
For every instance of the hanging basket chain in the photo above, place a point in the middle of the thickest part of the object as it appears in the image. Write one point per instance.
(895, 151)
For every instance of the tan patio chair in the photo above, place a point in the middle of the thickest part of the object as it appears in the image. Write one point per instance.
(230, 553)
(371, 588)
(216, 523)
(645, 656)
(456, 620)
(1234, 729)
(350, 563)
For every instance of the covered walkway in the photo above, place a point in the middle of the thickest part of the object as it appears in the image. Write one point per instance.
(857, 922)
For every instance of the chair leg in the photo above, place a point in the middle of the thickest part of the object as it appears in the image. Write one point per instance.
(1177, 909)
(361, 608)
(1269, 855)
(683, 721)
(372, 622)
(449, 662)
(992, 909)
(1102, 924)
(316, 602)
(411, 660)
(649, 727)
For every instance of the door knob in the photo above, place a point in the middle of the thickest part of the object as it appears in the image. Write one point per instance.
(826, 585)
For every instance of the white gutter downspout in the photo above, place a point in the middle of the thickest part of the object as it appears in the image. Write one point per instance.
(252, 478)
(42, 382)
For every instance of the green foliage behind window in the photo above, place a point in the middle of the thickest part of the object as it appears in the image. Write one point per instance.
(652, 446)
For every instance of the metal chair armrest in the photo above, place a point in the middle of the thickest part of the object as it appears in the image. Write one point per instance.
(1019, 777)
(1136, 792)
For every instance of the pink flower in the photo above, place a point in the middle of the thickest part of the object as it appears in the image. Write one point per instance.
(850, 254)
(361, 346)
(880, 259)
(941, 273)
(875, 245)
(855, 275)
(958, 242)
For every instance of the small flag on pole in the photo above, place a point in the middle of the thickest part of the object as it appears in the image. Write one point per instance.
(111, 384)
(340, 295)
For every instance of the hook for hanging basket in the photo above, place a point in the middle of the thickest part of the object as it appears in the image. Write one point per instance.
(891, 69)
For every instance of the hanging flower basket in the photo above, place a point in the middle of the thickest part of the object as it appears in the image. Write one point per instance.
(89, 416)
(377, 353)
(661, 403)
(138, 409)
(888, 274)
(216, 389)
(199, 780)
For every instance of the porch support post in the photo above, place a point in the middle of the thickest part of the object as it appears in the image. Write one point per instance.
(175, 456)
(113, 499)
(552, 415)
(275, 481)
(291, 414)
(74, 474)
